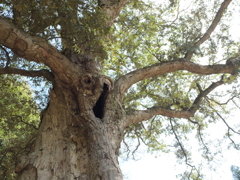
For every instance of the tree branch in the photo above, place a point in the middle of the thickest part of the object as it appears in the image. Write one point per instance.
(215, 22)
(34, 48)
(126, 81)
(211, 28)
(41, 73)
(142, 115)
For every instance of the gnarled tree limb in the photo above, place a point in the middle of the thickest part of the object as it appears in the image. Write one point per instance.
(126, 81)
(34, 48)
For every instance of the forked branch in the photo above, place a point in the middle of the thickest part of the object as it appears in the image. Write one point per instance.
(142, 115)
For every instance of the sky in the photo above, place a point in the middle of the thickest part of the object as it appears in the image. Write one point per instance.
(164, 166)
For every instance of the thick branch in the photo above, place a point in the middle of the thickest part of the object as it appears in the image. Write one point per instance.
(34, 48)
(126, 81)
(41, 73)
(211, 28)
(142, 115)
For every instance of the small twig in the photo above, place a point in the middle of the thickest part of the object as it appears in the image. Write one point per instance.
(229, 128)
(180, 144)
(235, 104)
(228, 134)
(201, 139)
(151, 125)
(204, 93)
(128, 150)
(21, 120)
(227, 124)
(225, 103)
(136, 148)
(200, 135)
(194, 122)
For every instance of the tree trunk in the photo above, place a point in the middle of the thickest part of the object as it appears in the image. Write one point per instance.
(77, 138)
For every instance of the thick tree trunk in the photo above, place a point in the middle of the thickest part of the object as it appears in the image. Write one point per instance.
(75, 140)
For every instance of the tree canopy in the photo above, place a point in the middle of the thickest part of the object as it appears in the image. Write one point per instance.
(179, 58)
(235, 172)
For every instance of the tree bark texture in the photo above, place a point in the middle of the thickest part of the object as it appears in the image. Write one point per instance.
(75, 141)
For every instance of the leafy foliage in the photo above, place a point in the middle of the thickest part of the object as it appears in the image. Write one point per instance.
(18, 122)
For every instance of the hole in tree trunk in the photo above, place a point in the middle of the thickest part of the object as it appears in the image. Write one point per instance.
(98, 109)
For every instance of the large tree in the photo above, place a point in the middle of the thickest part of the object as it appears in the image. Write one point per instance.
(153, 55)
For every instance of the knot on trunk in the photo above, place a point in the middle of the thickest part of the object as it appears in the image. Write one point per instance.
(95, 84)
(95, 88)
(88, 84)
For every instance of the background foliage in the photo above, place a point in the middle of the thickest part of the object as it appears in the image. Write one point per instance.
(19, 119)
(236, 172)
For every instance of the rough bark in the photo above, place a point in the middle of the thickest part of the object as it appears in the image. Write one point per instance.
(72, 141)
(80, 131)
